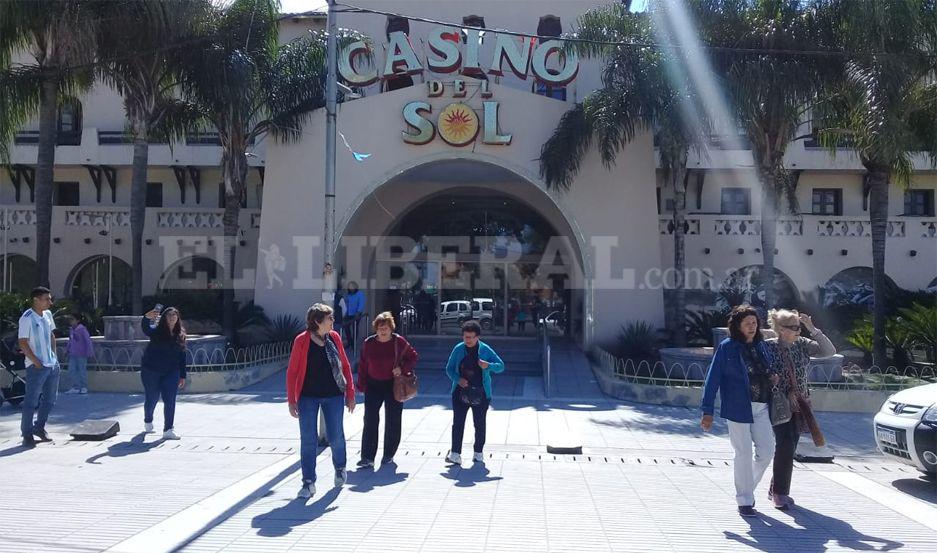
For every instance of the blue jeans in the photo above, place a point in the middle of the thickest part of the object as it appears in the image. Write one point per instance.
(44, 382)
(309, 434)
(78, 367)
(156, 385)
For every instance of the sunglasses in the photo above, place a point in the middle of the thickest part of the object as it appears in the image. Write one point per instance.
(794, 328)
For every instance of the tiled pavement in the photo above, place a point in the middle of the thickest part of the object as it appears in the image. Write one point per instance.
(648, 481)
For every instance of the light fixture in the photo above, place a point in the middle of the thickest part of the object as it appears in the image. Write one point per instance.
(912, 253)
(843, 252)
(706, 251)
(741, 251)
(810, 251)
(87, 240)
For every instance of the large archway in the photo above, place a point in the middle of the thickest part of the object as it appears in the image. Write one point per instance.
(460, 239)
(96, 284)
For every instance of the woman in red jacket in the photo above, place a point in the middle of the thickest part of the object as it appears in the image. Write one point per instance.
(319, 376)
(384, 356)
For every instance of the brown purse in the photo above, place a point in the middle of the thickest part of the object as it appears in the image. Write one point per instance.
(806, 422)
(405, 385)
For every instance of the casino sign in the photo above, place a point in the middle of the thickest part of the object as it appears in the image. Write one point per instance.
(458, 124)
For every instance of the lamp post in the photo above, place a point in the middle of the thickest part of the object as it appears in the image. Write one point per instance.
(110, 258)
(331, 86)
(6, 257)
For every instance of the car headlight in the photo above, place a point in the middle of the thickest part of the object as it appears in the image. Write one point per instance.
(931, 414)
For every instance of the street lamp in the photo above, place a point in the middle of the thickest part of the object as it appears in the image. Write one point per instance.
(6, 258)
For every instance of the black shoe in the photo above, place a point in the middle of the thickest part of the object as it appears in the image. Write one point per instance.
(41, 434)
(747, 511)
(29, 442)
(364, 463)
(388, 461)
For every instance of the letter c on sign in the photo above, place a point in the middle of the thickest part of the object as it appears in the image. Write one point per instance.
(346, 65)
(412, 114)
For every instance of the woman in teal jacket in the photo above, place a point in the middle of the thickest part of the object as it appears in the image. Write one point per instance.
(470, 366)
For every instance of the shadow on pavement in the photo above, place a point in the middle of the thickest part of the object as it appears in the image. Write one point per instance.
(815, 533)
(14, 450)
(122, 449)
(922, 488)
(468, 477)
(365, 480)
(282, 520)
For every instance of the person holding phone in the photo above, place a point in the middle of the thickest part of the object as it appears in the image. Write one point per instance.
(163, 367)
(319, 377)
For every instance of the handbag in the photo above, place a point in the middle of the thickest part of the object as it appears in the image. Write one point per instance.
(405, 385)
(472, 395)
(780, 409)
(806, 422)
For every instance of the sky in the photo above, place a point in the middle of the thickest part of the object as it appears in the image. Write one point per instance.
(300, 6)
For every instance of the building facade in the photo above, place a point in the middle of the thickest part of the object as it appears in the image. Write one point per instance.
(440, 210)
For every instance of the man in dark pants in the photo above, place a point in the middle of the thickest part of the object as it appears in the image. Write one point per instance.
(37, 341)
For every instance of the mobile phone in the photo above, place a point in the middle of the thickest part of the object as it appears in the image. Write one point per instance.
(158, 308)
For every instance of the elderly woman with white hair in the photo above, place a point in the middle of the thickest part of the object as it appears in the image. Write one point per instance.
(791, 355)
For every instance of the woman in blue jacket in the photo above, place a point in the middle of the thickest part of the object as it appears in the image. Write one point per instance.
(470, 366)
(163, 367)
(741, 373)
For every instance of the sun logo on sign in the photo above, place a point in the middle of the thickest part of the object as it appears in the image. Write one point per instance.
(458, 124)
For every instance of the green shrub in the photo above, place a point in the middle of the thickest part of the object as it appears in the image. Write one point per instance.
(700, 325)
(283, 328)
(637, 339)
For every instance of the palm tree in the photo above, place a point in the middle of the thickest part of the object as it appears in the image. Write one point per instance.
(139, 58)
(246, 86)
(885, 110)
(57, 38)
(771, 93)
(640, 92)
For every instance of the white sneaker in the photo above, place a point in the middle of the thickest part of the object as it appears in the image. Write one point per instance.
(83, 391)
(73, 391)
(478, 458)
(341, 477)
(148, 427)
(171, 435)
(308, 490)
(454, 458)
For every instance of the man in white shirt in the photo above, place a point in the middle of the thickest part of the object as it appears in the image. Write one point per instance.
(42, 367)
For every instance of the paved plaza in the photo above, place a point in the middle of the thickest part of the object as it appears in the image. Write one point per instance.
(648, 480)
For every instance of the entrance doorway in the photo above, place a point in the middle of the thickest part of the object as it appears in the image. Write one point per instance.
(477, 255)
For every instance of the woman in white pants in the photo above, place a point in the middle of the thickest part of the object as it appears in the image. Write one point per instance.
(741, 373)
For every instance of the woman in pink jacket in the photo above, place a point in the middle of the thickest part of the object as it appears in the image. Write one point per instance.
(80, 349)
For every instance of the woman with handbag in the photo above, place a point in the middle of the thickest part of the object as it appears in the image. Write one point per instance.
(740, 373)
(386, 359)
(791, 354)
(470, 367)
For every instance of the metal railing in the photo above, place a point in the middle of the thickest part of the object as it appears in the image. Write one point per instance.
(658, 373)
(545, 355)
(198, 360)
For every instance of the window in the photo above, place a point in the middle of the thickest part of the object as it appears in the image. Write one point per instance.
(69, 123)
(154, 194)
(736, 201)
(827, 201)
(65, 193)
(452, 308)
(919, 203)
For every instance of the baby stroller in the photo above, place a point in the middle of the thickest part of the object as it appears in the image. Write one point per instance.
(12, 383)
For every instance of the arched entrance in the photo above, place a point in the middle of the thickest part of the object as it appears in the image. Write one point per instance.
(459, 240)
(95, 284)
(17, 274)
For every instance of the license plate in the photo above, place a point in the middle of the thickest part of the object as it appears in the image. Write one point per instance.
(887, 436)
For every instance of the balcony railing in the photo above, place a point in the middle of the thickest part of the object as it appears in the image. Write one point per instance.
(161, 217)
(819, 226)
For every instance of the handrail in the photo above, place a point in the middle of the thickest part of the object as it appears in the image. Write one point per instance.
(657, 373)
(545, 357)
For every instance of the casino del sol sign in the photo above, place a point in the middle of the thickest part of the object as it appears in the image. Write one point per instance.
(458, 123)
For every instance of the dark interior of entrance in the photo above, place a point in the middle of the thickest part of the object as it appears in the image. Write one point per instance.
(475, 255)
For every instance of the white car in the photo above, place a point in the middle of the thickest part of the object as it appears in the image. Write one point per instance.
(906, 427)
(459, 311)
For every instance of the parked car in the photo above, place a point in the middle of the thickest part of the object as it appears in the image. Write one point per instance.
(906, 427)
(459, 311)
(554, 321)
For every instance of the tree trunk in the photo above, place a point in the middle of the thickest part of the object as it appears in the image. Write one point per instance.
(45, 164)
(878, 214)
(141, 153)
(235, 174)
(769, 232)
(678, 182)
